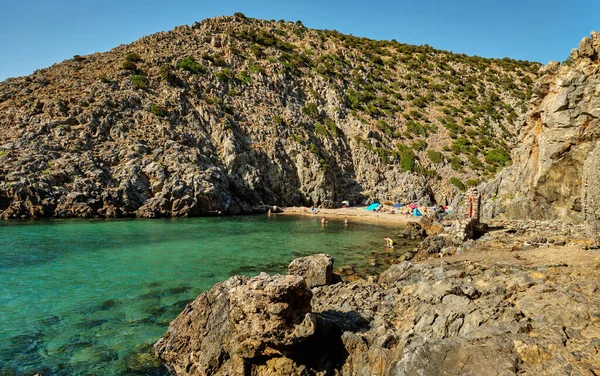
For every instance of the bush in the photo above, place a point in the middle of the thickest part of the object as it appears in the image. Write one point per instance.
(476, 164)
(456, 163)
(435, 156)
(458, 184)
(311, 110)
(472, 183)
(133, 58)
(129, 65)
(497, 157)
(225, 74)
(139, 81)
(332, 127)
(419, 145)
(384, 127)
(320, 129)
(164, 72)
(407, 158)
(158, 110)
(278, 119)
(191, 65)
(416, 128)
(461, 145)
(79, 58)
(239, 15)
(243, 77)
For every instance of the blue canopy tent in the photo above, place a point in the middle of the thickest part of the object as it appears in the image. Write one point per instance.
(373, 207)
(398, 205)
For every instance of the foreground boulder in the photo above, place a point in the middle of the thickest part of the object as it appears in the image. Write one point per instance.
(238, 325)
(315, 269)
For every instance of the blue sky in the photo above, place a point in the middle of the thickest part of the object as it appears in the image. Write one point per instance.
(38, 33)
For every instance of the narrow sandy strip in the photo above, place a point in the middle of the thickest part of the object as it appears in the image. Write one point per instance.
(355, 213)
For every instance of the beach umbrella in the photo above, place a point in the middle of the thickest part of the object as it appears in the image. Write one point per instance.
(413, 206)
(398, 205)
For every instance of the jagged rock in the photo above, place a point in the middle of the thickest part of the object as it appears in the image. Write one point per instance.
(316, 270)
(413, 230)
(238, 325)
(553, 164)
(431, 245)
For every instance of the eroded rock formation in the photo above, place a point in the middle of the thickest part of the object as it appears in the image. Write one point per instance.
(558, 145)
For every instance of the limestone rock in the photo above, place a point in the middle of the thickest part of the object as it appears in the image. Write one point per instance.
(316, 270)
(559, 135)
(236, 323)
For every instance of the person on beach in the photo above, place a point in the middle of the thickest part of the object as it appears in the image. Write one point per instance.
(345, 221)
(389, 243)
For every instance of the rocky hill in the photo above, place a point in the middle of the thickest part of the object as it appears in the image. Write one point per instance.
(556, 170)
(232, 113)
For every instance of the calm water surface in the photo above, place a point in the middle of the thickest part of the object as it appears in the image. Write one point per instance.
(89, 297)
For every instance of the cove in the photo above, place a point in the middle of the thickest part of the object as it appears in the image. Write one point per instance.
(91, 296)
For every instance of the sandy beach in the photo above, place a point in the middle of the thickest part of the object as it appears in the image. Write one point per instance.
(355, 213)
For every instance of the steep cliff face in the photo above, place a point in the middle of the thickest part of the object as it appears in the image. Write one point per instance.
(232, 113)
(555, 171)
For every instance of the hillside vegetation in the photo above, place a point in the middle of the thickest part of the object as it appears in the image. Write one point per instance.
(231, 113)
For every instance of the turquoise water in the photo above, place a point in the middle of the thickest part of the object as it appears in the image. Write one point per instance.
(89, 297)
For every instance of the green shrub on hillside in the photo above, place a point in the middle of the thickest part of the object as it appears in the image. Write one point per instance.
(407, 157)
(332, 127)
(458, 184)
(419, 145)
(158, 110)
(139, 81)
(321, 130)
(472, 183)
(165, 73)
(497, 157)
(456, 163)
(416, 128)
(384, 127)
(461, 145)
(133, 58)
(225, 74)
(243, 77)
(435, 156)
(476, 164)
(128, 65)
(191, 65)
(311, 110)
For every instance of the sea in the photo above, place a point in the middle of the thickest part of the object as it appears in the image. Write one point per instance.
(90, 297)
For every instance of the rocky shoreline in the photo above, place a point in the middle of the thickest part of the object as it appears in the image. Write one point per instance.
(520, 299)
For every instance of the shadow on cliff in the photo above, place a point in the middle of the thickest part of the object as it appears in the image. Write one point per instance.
(279, 180)
(324, 352)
